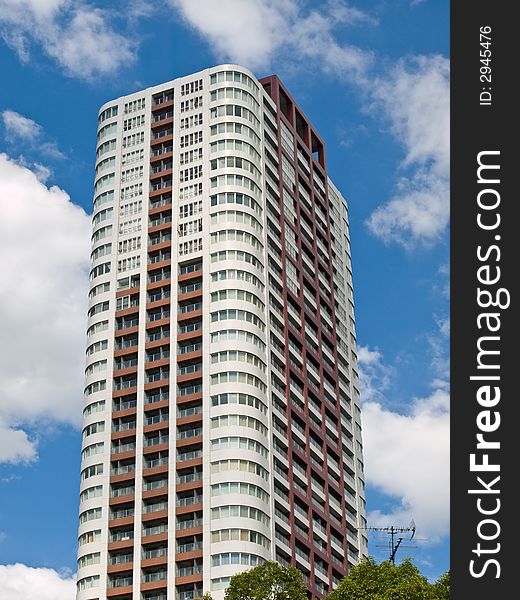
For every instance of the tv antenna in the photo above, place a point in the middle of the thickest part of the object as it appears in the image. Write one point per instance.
(397, 536)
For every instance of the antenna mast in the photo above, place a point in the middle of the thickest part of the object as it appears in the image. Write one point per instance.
(395, 539)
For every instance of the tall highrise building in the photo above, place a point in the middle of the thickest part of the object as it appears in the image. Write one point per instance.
(222, 419)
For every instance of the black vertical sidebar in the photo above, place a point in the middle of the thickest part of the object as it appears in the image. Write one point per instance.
(485, 331)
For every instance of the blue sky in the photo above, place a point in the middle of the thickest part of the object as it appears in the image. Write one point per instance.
(373, 77)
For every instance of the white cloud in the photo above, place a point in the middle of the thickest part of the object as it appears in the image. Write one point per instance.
(77, 35)
(417, 214)
(343, 13)
(244, 32)
(22, 131)
(44, 244)
(414, 99)
(407, 458)
(374, 375)
(407, 453)
(255, 32)
(19, 127)
(367, 356)
(42, 172)
(438, 342)
(15, 446)
(88, 46)
(20, 582)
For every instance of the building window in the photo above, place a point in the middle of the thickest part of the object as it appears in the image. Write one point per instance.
(89, 559)
(237, 274)
(239, 442)
(236, 558)
(88, 582)
(98, 427)
(106, 131)
(133, 122)
(238, 421)
(90, 515)
(135, 105)
(108, 113)
(89, 537)
(91, 492)
(235, 464)
(241, 535)
(191, 87)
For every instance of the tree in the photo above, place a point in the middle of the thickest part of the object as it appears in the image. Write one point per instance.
(385, 581)
(442, 585)
(268, 581)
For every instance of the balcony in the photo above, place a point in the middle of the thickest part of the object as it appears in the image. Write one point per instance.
(189, 328)
(119, 448)
(121, 559)
(155, 441)
(189, 523)
(189, 478)
(124, 405)
(155, 529)
(122, 513)
(125, 364)
(155, 485)
(184, 270)
(122, 491)
(121, 536)
(189, 369)
(154, 419)
(120, 582)
(162, 116)
(126, 324)
(164, 274)
(189, 412)
(159, 202)
(159, 258)
(195, 592)
(157, 507)
(189, 433)
(189, 348)
(191, 455)
(189, 501)
(188, 571)
(167, 166)
(189, 390)
(157, 355)
(191, 547)
(156, 462)
(124, 426)
(187, 308)
(156, 135)
(158, 376)
(124, 343)
(160, 239)
(152, 398)
(124, 384)
(122, 470)
(155, 553)
(165, 149)
(162, 333)
(165, 97)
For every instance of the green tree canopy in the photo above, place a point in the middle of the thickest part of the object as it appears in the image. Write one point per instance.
(268, 581)
(385, 581)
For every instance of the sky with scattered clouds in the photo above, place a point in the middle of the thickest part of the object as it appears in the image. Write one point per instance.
(373, 77)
